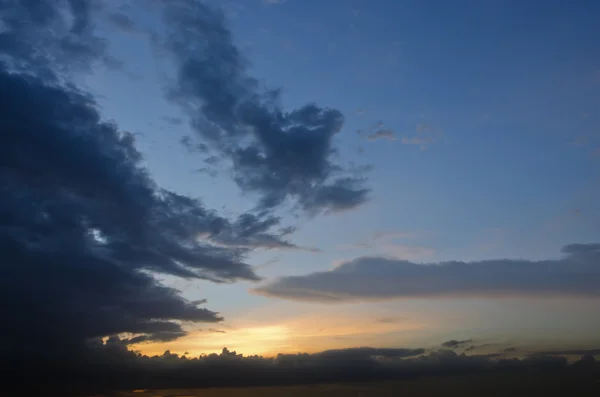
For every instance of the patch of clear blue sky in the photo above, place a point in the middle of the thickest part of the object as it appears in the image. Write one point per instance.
(509, 82)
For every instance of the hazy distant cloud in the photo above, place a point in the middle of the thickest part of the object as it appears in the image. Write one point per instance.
(122, 21)
(372, 278)
(389, 320)
(173, 121)
(453, 343)
(595, 77)
(425, 136)
(580, 140)
(388, 236)
(382, 134)
(407, 252)
(570, 352)
(391, 245)
(282, 156)
(376, 132)
(362, 353)
(481, 346)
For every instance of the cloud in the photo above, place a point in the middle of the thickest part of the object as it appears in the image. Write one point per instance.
(453, 343)
(121, 21)
(251, 231)
(83, 226)
(117, 368)
(570, 352)
(386, 244)
(78, 228)
(382, 134)
(407, 252)
(373, 278)
(377, 132)
(425, 136)
(50, 37)
(389, 320)
(281, 156)
(172, 120)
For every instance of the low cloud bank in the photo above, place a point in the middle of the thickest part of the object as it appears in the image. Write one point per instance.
(111, 365)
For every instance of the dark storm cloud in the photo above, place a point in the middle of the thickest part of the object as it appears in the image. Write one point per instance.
(80, 218)
(82, 224)
(279, 155)
(371, 278)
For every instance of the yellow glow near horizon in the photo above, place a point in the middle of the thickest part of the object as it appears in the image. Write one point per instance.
(308, 333)
(262, 340)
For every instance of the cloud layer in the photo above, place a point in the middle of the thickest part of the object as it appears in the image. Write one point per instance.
(371, 278)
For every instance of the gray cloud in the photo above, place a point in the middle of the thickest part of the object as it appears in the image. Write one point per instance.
(282, 156)
(371, 278)
(570, 352)
(50, 37)
(453, 343)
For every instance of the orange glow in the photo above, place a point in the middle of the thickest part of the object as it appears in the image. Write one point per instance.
(308, 333)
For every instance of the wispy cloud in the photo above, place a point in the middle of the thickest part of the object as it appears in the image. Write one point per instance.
(425, 136)
(391, 245)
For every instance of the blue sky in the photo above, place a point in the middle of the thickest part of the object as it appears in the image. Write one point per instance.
(507, 94)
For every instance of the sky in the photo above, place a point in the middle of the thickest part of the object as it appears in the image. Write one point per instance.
(300, 176)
